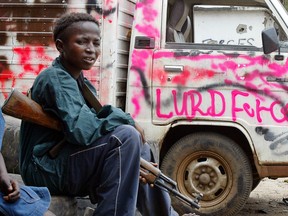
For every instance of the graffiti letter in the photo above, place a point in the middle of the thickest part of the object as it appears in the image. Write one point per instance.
(234, 108)
(283, 111)
(158, 106)
(195, 105)
(184, 103)
(220, 103)
(259, 109)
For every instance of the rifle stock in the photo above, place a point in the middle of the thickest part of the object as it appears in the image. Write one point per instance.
(20, 106)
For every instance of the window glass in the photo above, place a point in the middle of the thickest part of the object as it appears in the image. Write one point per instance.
(179, 24)
(224, 25)
(230, 25)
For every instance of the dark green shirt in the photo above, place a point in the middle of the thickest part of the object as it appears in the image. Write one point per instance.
(58, 93)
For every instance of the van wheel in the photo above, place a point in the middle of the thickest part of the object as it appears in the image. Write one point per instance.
(211, 164)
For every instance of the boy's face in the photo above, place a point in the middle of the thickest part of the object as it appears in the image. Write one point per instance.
(80, 47)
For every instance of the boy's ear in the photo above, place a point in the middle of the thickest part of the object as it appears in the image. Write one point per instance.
(59, 45)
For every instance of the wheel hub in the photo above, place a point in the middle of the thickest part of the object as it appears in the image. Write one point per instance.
(206, 176)
(204, 179)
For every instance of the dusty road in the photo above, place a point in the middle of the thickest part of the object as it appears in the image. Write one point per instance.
(266, 199)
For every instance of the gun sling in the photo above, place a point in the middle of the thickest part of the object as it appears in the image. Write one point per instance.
(90, 99)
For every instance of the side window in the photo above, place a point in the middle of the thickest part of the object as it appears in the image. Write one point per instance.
(230, 25)
(211, 24)
(178, 22)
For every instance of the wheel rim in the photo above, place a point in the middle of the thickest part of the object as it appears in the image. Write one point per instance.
(207, 173)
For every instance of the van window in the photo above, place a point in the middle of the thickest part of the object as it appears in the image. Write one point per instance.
(223, 25)
(230, 25)
(179, 22)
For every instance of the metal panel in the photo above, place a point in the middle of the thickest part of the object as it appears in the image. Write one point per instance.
(26, 44)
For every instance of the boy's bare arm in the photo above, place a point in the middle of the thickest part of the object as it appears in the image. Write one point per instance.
(8, 186)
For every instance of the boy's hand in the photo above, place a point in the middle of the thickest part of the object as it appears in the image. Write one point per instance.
(143, 180)
(11, 190)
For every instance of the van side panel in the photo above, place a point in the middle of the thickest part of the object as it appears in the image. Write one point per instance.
(116, 32)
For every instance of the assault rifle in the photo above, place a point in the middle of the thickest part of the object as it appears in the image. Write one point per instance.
(20, 106)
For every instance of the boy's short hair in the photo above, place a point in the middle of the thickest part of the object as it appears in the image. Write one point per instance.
(68, 19)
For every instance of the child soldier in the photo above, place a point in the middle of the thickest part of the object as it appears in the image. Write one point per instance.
(101, 155)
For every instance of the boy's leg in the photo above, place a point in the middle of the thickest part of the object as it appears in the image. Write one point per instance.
(153, 201)
(109, 170)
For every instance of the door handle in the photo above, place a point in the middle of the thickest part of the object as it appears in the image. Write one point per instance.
(173, 68)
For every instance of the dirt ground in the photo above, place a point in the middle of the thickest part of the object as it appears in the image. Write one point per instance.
(266, 199)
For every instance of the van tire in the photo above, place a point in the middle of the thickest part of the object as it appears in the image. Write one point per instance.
(211, 164)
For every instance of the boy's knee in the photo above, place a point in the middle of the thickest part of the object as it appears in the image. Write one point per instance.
(130, 134)
(130, 130)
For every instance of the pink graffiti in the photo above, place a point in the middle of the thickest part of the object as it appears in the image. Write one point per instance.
(147, 27)
(258, 109)
(189, 73)
(139, 58)
(137, 106)
(240, 71)
(254, 67)
(191, 104)
(148, 30)
(220, 64)
(149, 13)
(161, 75)
(139, 62)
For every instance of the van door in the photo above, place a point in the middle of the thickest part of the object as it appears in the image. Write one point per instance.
(217, 74)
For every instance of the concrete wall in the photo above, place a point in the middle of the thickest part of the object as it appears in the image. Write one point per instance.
(10, 146)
